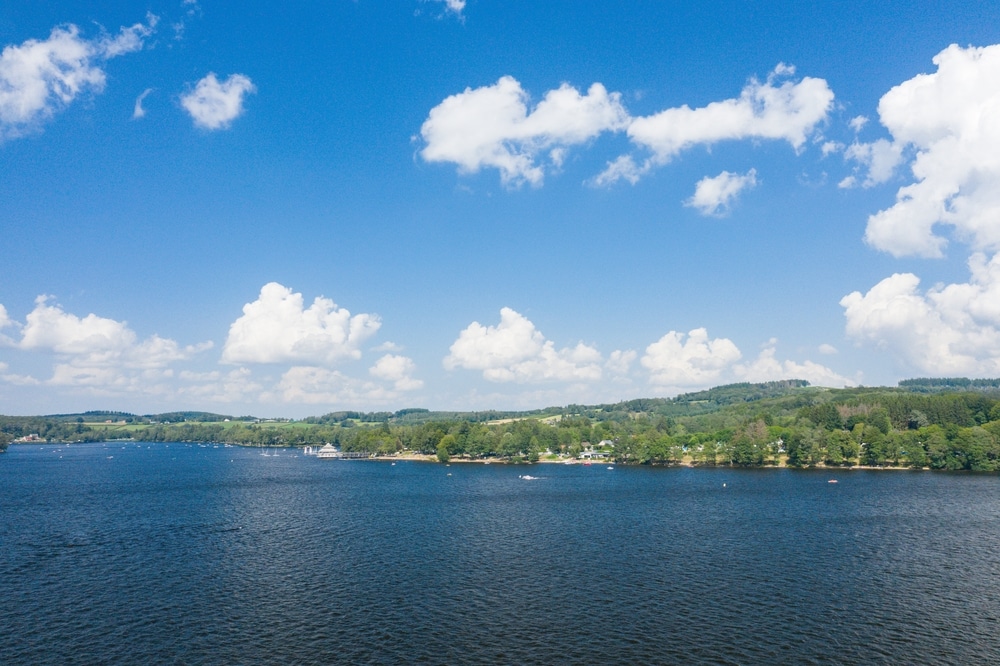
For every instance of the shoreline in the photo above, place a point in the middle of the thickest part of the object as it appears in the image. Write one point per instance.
(432, 458)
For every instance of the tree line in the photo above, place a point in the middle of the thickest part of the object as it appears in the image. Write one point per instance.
(778, 423)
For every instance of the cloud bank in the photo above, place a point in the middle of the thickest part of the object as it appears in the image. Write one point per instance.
(288, 353)
(516, 351)
(95, 351)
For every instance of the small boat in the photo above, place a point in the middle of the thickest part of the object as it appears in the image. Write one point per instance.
(832, 481)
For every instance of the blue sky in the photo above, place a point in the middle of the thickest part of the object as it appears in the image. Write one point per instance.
(289, 209)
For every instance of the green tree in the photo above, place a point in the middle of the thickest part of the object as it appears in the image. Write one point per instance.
(444, 448)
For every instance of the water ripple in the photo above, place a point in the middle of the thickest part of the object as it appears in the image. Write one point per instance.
(192, 555)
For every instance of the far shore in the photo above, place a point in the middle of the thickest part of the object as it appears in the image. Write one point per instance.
(687, 462)
(424, 457)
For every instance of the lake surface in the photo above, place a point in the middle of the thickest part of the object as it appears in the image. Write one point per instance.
(188, 554)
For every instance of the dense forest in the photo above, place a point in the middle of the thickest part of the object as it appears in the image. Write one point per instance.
(951, 424)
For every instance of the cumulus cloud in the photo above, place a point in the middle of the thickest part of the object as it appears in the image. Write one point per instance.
(213, 104)
(515, 351)
(493, 127)
(40, 77)
(947, 330)
(947, 118)
(398, 370)
(827, 349)
(94, 340)
(673, 361)
(778, 109)
(97, 351)
(714, 196)
(766, 368)
(277, 328)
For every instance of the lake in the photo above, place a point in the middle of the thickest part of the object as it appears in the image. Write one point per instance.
(124, 553)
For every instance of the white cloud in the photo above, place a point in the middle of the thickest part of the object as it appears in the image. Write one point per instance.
(857, 123)
(787, 111)
(236, 386)
(455, 6)
(673, 361)
(277, 328)
(947, 330)
(138, 111)
(830, 147)
(311, 385)
(493, 127)
(515, 351)
(128, 40)
(715, 196)
(827, 349)
(398, 370)
(879, 159)
(40, 77)
(766, 368)
(214, 105)
(620, 362)
(623, 167)
(5, 322)
(947, 117)
(17, 380)
(98, 352)
(94, 340)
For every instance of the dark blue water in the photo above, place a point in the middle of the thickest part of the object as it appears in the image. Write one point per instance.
(187, 554)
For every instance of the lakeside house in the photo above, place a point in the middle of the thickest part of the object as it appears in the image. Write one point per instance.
(600, 451)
